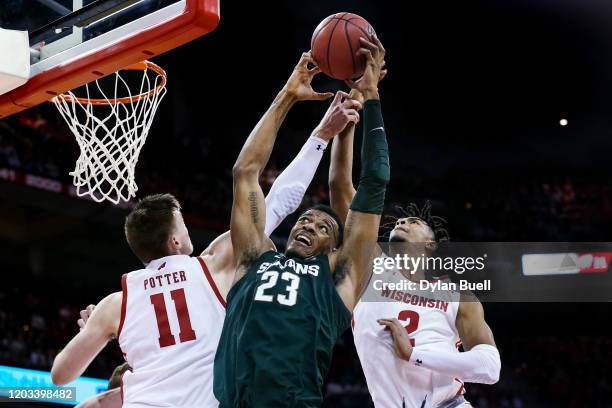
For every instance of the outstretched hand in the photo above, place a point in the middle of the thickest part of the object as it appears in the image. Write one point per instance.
(374, 53)
(401, 341)
(298, 85)
(341, 112)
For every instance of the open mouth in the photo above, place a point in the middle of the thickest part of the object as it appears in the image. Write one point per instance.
(303, 239)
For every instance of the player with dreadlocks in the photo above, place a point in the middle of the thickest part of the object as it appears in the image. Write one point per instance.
(408, 341)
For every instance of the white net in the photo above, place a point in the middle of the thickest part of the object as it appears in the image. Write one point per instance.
(111, 130)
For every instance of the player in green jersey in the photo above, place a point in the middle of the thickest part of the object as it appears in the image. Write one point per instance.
(286, 311)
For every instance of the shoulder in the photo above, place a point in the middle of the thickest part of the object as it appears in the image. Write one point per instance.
(220, 244)
(107, 314)
(111, 301)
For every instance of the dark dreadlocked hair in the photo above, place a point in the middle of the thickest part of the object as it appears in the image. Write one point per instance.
(412, 210)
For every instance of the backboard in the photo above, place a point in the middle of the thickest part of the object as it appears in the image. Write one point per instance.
(73, 42)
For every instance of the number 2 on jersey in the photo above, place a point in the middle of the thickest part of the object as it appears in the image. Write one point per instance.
(413, 318)
(269, 279)
(166, 338)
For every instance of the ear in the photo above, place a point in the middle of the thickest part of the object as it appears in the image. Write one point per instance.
(173, 243)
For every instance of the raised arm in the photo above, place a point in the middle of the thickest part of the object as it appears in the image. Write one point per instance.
(289, 188)
(363, 219)
(341, 189)
(247, 225)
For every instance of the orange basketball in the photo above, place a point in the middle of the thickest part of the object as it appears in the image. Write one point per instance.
(335, 42)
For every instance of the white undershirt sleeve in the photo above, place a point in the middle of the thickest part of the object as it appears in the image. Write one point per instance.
(290, 186)
(479, 365)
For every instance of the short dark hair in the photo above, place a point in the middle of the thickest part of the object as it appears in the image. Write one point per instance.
(437, 224)
(148, 226)
(117, 376)
(332, 213)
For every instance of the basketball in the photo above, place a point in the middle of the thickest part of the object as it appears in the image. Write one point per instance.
(335, 42)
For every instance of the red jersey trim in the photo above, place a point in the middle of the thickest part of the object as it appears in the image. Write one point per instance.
(211, 281)
(123, 303)
(461, 390)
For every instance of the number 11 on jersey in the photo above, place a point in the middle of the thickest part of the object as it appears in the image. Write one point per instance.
(166, 338)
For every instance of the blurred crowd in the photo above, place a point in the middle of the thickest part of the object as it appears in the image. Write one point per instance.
(35, 324)
(480, 207)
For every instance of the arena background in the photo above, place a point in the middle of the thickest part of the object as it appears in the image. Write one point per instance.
(472, 105)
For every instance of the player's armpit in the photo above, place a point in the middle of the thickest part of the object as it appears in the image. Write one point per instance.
(85, 346)
(354, 258)
(107, 399)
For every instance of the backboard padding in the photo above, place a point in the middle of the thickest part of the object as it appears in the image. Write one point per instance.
(196, 19)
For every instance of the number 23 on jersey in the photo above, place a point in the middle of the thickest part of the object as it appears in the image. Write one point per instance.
(270, 279)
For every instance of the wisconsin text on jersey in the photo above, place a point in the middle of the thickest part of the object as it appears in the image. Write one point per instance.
(416, 300)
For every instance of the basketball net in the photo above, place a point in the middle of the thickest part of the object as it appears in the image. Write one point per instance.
(111, 131)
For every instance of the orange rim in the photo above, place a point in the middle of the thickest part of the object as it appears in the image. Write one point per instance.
(140, 66)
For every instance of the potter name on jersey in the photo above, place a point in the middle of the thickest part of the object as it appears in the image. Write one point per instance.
(164, 279)
(292, 265)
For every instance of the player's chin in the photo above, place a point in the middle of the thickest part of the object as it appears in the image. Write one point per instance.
(397, 237)
(297, 251)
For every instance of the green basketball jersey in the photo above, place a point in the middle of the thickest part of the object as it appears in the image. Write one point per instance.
(283, 319)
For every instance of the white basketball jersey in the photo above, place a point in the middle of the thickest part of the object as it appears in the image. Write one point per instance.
(171, 320)
(430, 322)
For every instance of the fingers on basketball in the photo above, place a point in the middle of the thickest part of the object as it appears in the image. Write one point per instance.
(379, 45)
(367, 54)
(305, 59)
